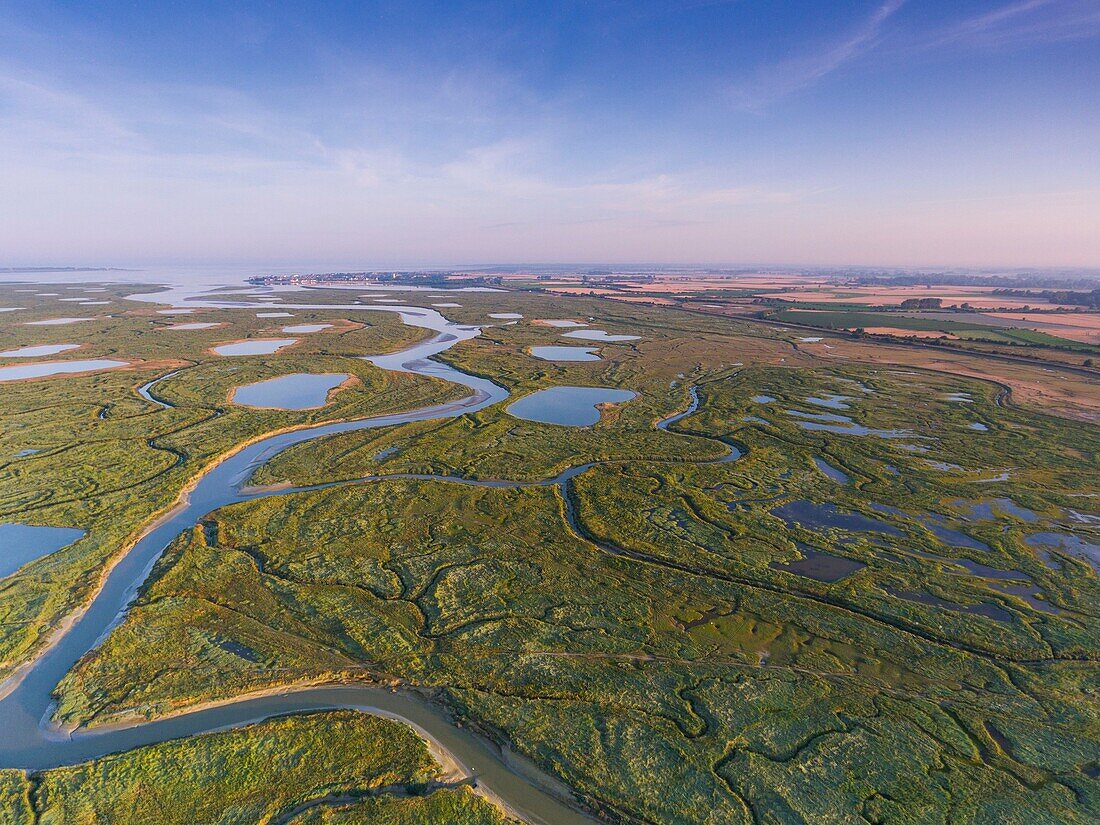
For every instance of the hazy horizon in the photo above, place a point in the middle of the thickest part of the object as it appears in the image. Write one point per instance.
(881, 133)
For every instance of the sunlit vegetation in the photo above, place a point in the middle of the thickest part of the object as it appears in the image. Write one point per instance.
(106, 460)
(330, 767)
(636, 628)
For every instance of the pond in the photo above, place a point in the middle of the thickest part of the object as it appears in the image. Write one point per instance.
(820, 566)
(299, 391)
(763, 399)
(990, 611)
(23, 543)
(560, 323)
(39, 351)
(53, 322)
(195, 325)
(843, 425)
(47, 368)
(936, 525)
(565, 353)
(831, 471)
(1067, 543)
(257, 346)
(598, 335)
(301, 328)
(568, 406)
(833, 402)
(274, 314)
(994, 509)
(811, 516)
(505, 316)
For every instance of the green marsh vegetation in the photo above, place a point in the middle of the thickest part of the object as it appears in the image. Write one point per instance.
(108, 460)
(630, 631)
(334, 767)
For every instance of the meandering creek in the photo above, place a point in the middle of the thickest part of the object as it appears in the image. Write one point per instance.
(32, 740)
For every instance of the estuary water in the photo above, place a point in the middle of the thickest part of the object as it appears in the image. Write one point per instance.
(32, 739)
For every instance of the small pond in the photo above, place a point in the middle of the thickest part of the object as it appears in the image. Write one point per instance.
(993, 509)
(936, 525)
(990, 611)
(257, 346)
(505, 316)
(297, 329)
(23, 543)
(54, 322)
(561, 323)
(811, 516)
(832, 401)
(565, 353)
(299, 391)
(818, 565)
(39, 351)
(598, 335)
(195, 325)
(832, 472)
(568, 406)
(47, 368)
(842, 425)
(1067, 543)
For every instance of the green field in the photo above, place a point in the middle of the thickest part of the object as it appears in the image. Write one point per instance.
(958, 325)
(379, 771)
(634, 631)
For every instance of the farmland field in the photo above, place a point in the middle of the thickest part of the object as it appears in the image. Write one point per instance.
(768, 584)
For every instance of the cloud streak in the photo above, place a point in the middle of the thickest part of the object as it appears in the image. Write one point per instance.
(1024, 21)
(794, 74)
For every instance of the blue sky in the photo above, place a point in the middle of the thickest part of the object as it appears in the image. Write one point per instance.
(892, 132)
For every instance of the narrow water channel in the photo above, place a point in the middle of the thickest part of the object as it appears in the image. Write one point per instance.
(32, 740)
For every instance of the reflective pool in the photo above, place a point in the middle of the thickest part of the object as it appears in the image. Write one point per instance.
(47, 368)
(258, 346)
(568, 406)
(818, 565)
(598, 335)
(39, 351)
(53, 322)
(299, 391)
(565, 353)
(832, 472)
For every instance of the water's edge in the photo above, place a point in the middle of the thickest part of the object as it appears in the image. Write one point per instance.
(33, 741)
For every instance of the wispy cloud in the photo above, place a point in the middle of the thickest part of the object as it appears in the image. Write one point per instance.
(1024, 21)
(788, 76)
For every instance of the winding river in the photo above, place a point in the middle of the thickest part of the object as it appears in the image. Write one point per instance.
(33, 741)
